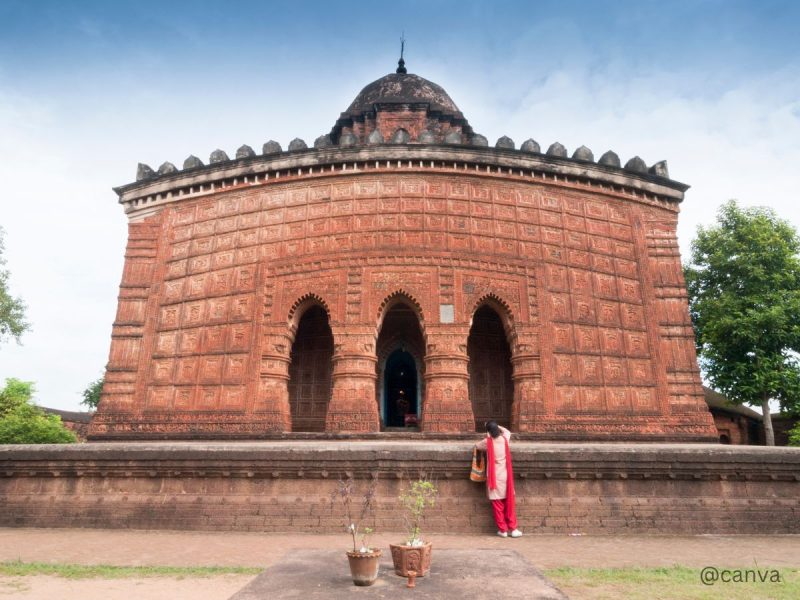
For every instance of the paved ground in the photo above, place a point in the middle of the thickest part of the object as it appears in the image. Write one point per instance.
(173, 548)
(123, 547)
(58, 588)
(461, 574)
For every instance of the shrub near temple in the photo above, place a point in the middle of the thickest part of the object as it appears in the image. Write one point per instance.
(21, 422)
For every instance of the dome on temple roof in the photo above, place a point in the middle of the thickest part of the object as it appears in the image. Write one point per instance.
(402, 88)
(421, 105)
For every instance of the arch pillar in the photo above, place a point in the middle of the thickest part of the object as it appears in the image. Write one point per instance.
(528, 402)
(446, 407)
(353, 407)
(272, 397)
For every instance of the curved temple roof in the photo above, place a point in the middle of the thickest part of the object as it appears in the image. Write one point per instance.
(403, 116)
(399, 88)
(403, 92)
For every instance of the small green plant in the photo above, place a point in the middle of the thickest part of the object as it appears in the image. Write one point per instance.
(22, 422)
(346, 493)
(416, 499)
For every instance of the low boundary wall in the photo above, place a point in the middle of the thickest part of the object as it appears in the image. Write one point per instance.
(285, 485)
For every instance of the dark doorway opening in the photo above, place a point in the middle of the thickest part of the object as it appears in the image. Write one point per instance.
(400, 349)
(310, 371)
(491, 390)
(400, 390)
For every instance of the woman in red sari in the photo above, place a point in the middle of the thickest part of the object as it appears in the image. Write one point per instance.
(500, 479)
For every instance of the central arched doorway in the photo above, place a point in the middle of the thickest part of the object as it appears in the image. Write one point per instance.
(401, 390)
(400, 367)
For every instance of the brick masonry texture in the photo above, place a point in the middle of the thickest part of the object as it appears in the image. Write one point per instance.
(544, 292)
(588, 286)
(285, 486)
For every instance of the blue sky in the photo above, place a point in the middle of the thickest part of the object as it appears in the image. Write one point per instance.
(88, 89)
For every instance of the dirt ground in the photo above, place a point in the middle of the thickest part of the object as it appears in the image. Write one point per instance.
(167, 548)
(43, 587)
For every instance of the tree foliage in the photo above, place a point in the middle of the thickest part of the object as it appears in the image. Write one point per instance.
(21, 422)
(12, 310)
(91, 395)
(744, 299)
(794, 436)
(15, 396)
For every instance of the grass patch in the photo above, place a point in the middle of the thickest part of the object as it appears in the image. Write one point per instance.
(666, 583)
(25, 569)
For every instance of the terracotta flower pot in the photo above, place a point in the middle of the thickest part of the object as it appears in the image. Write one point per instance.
(364, 566)
(411, 558)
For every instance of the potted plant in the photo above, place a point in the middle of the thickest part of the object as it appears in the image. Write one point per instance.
(363, 559)
(415, 554)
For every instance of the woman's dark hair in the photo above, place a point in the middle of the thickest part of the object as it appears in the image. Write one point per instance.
(493, 428)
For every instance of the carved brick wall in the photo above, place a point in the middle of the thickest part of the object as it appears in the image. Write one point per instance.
(120, 390)
(587, 281)
(561, 488)
(414, 121)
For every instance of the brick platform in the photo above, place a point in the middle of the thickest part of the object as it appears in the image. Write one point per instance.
(285, 486)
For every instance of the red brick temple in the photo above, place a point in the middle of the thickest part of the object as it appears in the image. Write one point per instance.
(402, 274)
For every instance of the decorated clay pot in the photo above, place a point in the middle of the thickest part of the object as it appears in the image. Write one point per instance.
(411, 558)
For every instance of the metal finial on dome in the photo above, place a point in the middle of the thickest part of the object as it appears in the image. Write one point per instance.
(401, 64)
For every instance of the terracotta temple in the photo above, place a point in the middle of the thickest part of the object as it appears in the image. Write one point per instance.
(403, 275)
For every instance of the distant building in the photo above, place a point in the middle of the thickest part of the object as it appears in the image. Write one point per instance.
(77, 422)
(736, 423)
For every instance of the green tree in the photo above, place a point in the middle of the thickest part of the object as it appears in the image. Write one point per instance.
(12, 310)
(794, 436)
(21, 422)
(15, 396)
(91, 395)
(744, 299)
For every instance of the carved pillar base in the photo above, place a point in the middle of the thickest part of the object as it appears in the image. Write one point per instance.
(446, 407)
(353, 408)
(271, 406)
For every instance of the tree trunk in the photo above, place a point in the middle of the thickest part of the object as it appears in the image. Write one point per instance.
(769, 435)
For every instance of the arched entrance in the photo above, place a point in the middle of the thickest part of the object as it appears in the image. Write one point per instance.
(310, 371)
(491, 390)
(401, 354)
(401, 390)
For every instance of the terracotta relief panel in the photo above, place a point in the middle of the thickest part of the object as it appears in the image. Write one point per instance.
(598, 305)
